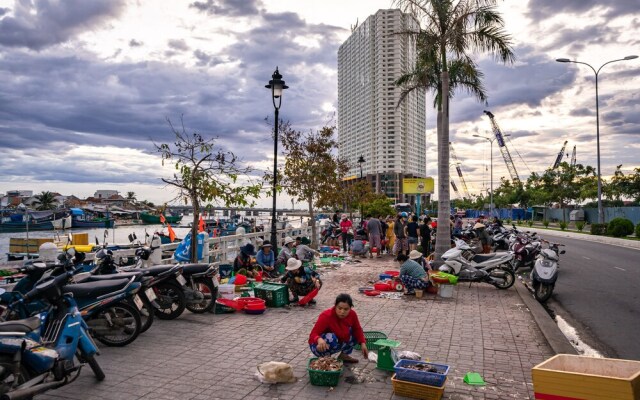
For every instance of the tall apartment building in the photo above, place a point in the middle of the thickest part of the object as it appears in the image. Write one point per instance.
(390, 138)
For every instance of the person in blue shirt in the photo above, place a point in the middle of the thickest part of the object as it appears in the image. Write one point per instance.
(266, 259)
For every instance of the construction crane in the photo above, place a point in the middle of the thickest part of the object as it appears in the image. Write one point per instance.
(560, 155)
(503, 148)
(573, 157)
(455, 159)
(455, 189)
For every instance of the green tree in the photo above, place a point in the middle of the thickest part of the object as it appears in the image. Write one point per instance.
(45, 201)
(379, 204)
(204, 173)
(456, 28)
(131, 196)
(312, 173)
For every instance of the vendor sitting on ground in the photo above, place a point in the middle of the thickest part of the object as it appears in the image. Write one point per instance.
(300, 280)
(338, 330)
(267, 259)
(304, 252)
(359, 247)
(243, 263)
(412, 275)
(286, 252)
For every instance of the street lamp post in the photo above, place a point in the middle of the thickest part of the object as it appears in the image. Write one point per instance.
(596, 72)
(490, 139)
(276, 84)
(360, 162)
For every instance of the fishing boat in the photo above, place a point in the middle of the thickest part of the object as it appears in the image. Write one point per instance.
(155, 219)
(32, 221)
(80, 219)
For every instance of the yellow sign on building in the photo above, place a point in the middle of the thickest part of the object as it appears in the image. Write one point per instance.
(417, 185)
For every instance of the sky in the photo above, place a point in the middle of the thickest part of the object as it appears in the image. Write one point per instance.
(88, 87)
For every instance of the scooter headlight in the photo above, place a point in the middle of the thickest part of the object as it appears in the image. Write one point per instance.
(547, 263)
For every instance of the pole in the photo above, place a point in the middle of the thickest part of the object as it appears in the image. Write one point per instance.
(491, 199)
(361, 216)
(274, 236)
(600, 210)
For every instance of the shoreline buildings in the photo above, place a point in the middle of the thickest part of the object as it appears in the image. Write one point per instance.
(389, 137)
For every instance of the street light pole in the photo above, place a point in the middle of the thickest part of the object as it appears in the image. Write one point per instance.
(361, 161)
(276, 84)
(596, 72)
(491, 185)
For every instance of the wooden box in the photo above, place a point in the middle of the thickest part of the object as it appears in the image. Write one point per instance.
(80, 238)
(20, 245)
(570, 377)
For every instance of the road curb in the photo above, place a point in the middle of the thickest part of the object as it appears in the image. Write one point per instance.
(558, 342)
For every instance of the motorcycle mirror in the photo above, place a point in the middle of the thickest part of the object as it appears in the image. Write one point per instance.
(97, 242)
(131, 238)
(71, 251)
(106, 233)
(562, 251)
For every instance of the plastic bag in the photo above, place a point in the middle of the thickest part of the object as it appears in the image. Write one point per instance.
(372, 356)
(409, 355)
(275, 372)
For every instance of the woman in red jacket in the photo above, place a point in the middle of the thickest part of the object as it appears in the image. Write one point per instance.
(338, 330)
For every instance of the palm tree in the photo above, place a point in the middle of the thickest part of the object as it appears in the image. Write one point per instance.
(131, 196)
(45, 201)
(454, 28)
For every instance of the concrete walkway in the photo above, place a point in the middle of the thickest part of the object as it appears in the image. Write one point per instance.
(481, 329)
(634, 244)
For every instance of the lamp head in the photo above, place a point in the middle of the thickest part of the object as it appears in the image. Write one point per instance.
(361, 160)
(564, 60)
(276, 84)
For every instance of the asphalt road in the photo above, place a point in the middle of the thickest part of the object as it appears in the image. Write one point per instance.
(598, 292)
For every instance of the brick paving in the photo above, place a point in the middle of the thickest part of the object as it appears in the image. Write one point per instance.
(480, 329)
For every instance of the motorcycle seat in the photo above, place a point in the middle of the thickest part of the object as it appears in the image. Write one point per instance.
(22, 325)
(119, 275)
(189, 269)
(95, 289)
(153, 270)
(480, 258)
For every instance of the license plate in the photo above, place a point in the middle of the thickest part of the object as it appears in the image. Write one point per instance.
(181, 279)
(136, 299)
(151, 295)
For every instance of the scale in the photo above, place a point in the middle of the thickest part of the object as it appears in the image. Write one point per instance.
(387, 357)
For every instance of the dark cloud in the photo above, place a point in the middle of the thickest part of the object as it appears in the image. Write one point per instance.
(229, 8)
(540, 10)
(581, 112)
(3, 11)
(135, 43)
(40, 24)
(205, 59)
(178, 44)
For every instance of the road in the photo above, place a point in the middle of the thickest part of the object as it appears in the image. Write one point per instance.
(599, 289)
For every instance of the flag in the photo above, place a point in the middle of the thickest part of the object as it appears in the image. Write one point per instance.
(201, 224)
(172, 234)
(162, 219)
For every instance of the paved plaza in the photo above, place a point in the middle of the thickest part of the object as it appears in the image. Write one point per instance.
(481, 329)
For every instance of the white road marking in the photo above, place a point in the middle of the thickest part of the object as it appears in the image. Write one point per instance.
(586, 258)
(621, 269)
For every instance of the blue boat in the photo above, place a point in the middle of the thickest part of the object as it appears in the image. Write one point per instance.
(31, 220)
(81, 219)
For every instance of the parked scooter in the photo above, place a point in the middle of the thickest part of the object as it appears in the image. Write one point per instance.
(526, 249)
(37, 353)
(545, 272)
(494, 269)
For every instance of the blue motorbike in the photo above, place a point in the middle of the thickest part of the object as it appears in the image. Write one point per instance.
(37, 353)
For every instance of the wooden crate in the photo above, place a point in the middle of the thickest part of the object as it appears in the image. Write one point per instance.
(570, 377)
(80, 238)
(19, 245)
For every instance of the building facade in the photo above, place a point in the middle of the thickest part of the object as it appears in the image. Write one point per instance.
(389, 136)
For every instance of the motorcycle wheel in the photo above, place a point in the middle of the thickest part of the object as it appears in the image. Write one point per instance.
(210, 293)
(121, 319)
(171, 299)
(509, 278)
(93, 364)
(542, 291)
(146, 314)
(6, 362)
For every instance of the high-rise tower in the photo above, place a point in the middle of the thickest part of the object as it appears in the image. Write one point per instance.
(390, 138)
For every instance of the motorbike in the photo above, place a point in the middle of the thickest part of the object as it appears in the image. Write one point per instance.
(545, 271)
(37, 353)
(494, 269)
(105, 306)
(526, 249)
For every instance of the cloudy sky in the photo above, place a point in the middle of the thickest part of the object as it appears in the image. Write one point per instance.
(87, 86)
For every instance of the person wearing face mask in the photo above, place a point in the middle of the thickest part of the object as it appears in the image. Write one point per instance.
(400, 231)
(338, 329)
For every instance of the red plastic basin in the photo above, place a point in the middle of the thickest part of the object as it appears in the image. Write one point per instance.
(392, 273)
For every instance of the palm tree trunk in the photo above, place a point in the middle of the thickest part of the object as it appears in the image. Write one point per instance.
(443, 235)
(312, 222)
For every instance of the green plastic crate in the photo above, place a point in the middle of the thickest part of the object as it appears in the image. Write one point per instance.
(323, 378)
(274, 294)
(372, 337)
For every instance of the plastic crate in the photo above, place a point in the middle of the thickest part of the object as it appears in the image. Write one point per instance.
(422, 377)
(372, 337)
(416, 390)
(323, 378)
(275, 294)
